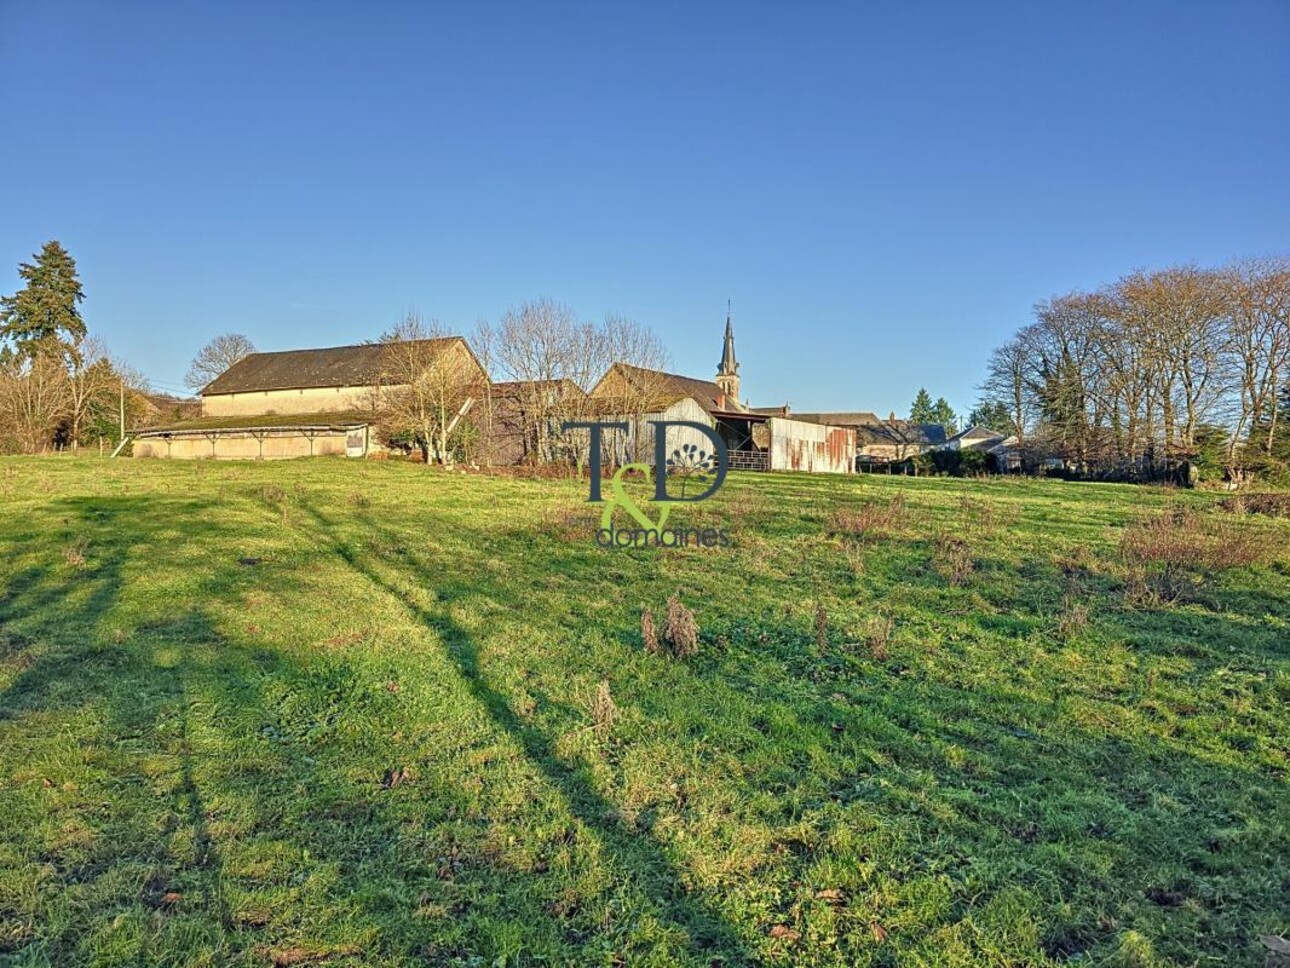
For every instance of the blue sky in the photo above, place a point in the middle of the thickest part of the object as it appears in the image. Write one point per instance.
(883, 190)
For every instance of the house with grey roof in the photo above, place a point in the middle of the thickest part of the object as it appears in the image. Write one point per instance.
(1004, 449)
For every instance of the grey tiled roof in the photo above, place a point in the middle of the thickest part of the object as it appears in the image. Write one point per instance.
(335, 366)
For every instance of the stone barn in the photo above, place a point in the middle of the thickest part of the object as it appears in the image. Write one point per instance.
(297, 403)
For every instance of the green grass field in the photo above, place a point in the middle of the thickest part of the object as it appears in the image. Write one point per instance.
(340, 713)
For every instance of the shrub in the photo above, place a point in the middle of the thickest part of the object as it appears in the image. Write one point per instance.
(680, 631)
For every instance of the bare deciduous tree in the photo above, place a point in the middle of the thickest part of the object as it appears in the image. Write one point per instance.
(428, 380)
(1006, 382)
(90, 380)
(33, 402)
(216, 357)
(1258, 345)
(552, 359)
(1156, 369)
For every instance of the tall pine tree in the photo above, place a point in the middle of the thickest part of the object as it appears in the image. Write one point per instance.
(43, 320)
(922, 411)
(943, 414)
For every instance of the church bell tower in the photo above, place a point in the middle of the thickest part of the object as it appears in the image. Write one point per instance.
(728, 370)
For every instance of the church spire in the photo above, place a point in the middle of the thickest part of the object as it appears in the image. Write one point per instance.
(728, 371)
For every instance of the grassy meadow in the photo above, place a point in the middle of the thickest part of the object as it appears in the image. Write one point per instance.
(351, 713)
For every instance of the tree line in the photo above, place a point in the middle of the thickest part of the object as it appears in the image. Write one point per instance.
(1153, 375)
(60, 388)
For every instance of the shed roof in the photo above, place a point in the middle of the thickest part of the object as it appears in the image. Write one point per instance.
(335, 366)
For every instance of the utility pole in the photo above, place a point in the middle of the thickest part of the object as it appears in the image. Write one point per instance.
(123, 408)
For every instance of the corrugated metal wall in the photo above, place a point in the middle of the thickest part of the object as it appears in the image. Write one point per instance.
(796, 445)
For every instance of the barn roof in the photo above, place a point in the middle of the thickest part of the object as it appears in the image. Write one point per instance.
(335, 366)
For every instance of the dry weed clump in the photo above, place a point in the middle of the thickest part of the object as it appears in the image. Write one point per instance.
(856, 561)
(952, 558)
(979, 512)
(1273, 505)
(821, 629)
(680, 638)
(277, 500)
(604, 711)
(649, 635)
(1168, 556)
(569, 524)
(680, 631)
(74, 552)
(1072, 619)
(870, 519)
(743, 502)
(878, 634)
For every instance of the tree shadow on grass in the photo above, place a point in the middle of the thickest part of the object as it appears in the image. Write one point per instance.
(1094, 838)
(651, 874)
(210, 808)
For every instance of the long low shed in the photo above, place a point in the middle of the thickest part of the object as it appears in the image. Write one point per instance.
(254, 443)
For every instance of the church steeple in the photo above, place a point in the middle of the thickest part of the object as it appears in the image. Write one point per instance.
(728, 370)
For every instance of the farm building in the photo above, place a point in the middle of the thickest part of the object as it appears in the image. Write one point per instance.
(298, 403)
(894, 441)
(755, 440)
(524, 416)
